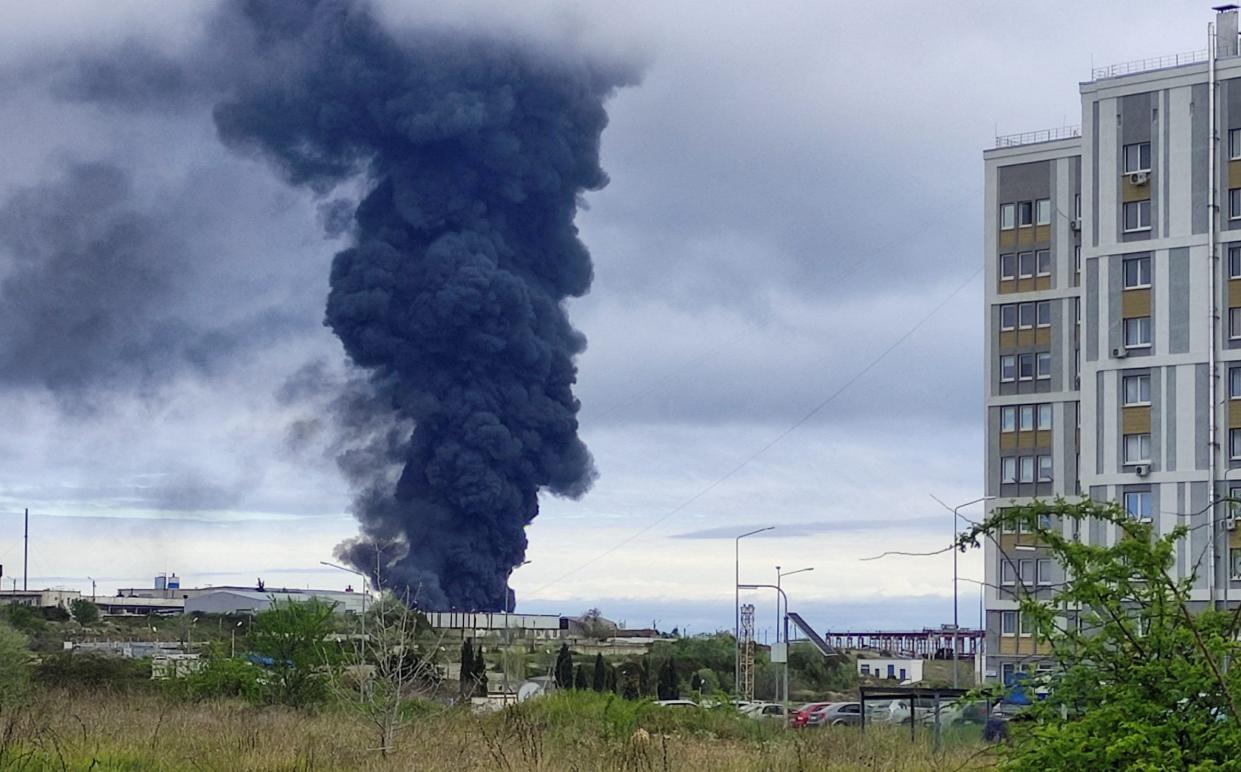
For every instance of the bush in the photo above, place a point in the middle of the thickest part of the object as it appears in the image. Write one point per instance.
(24, 619)
(84, 611)
(14, 665)
(223, 677)
(93, 671)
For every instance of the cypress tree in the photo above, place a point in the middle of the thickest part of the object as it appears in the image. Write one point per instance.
(600, 681)
(480, 673)
(564, 667)
(580, 680)
(467, 667)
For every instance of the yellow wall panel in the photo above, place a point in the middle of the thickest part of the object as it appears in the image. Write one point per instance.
(1234, 414)
(1234, 293)
(1042, 336)
(1007, 286)
(1025, 237)
(1130, 192)
(1008, 339)
(1008, 239)
(1008, 440)
(1042, 234)
(1042, 282)
(1234, 174)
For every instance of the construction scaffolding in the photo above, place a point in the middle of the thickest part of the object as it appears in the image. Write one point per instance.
(747, 651)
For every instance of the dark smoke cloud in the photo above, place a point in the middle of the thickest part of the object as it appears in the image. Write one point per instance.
(94, 287)
(476, 151)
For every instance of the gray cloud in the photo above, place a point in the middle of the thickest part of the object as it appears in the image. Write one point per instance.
(820, 527)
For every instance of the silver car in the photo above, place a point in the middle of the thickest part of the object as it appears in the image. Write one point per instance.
(837, 714)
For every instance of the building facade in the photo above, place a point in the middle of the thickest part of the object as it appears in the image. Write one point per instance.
(1113, 318)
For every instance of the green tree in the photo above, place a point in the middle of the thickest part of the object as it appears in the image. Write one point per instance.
(480, 673)
(292, 637)
(15, 665)
(564, 667)
(646, 685)
(466, 673)
(667, 688)
(84, 611)
(600, 681)
(581, 681)
(1142, 678)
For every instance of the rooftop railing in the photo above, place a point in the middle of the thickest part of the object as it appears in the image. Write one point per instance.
(1033, 137)
(1145, 65)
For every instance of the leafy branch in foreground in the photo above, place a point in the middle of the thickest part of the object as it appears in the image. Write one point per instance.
(1142, 677)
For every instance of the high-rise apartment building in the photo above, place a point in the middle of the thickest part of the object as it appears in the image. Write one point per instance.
(1113, 317)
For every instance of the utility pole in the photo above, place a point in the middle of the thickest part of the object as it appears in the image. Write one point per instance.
(26, 553)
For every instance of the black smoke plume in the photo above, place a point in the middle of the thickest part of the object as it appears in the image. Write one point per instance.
(475, 151)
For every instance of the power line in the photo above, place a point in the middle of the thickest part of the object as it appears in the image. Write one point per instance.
(775, 440)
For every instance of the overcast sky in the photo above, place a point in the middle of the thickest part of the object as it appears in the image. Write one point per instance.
(794, 186)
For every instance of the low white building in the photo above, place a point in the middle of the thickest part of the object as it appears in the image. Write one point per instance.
(40, 598)
(899, 670)
(234, 600)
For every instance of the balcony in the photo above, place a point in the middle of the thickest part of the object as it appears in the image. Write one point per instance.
(1034, 137)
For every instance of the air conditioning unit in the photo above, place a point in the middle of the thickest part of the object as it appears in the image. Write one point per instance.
(1231, 523)
(1120, 352)
(1142, 470)
(1139, 178)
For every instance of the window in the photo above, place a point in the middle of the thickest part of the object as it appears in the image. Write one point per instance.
(1008, 470)
(1234, 382)
(1138, 505)
(1044, 521)
(1025, 213)
(1025, 316)
(1077, 207)
(1008, 419)
(1234, 323)
(1008, 618)
(1138, 332)
(1025, 265)
(1044, 417)
(1137, 389)
(1025, 367)
(1234, 261)
(1044, 366)
(1008, 267)
(1026, 469)
(1043, 260)
(1234, 506)
(1008, 317)
(1042, 211)
(1137, 215)
(1027, 418)
(1234, 562)
(1027, 624)
(1234, 443)
(1137, 448)
(1044, 313)
(1077, 259)
(1008, 368)
(1137, 272)
(1234, 203)
(1234, 143)
(1008, 673)
(1137, 157)
(1044, 468)
(865, 669)
(1008, 214)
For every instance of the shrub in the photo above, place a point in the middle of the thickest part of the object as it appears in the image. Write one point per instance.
(14, 665)
(223, 677)
(84, 611)
(94, 671)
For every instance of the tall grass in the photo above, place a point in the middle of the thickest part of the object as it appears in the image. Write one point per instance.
(576, 731)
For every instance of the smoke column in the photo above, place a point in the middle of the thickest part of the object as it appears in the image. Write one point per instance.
(475, 151)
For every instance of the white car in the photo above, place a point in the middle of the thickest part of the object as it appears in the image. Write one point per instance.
(764, 710)
(676, 703)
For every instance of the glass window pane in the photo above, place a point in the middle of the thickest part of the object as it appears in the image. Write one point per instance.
(1008, 317)
(1044, 417)
(1025, 213)
(1008, 216)
(1044, 211)
(1044, 468)
(1027, 418)
(1025, 265)
(1044, 313)
(1008, 266)
(1234, 203)
(1044, 262)
(1234, 323)
(1234, 382)
(1008, 419)
(1044, 365)
(1234, 262)
(1025, 367)
(1008, 470)
(1008, 366)
(1026, 469)
(1025, 315)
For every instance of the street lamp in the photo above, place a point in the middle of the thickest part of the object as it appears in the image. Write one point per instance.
(355, 572)
(780, 594)
(956, 512)
(92, 588)
(737, 605)
(234, 637)
(780, 575)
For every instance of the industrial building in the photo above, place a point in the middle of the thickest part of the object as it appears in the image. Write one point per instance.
(1113, 323)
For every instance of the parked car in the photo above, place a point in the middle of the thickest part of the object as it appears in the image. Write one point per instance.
(801, 716)
(676, 703)
(837, 714)
(764, 710)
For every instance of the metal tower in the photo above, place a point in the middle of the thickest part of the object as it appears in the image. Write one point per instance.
(747, 651)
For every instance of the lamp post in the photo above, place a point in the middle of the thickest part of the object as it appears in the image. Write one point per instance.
(234, 637)
(92, 588)
(779, 594)
(956, 512)
(737, 605)
(780, 575)
(364, 591)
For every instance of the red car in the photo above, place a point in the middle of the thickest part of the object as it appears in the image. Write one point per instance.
(802, 715)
